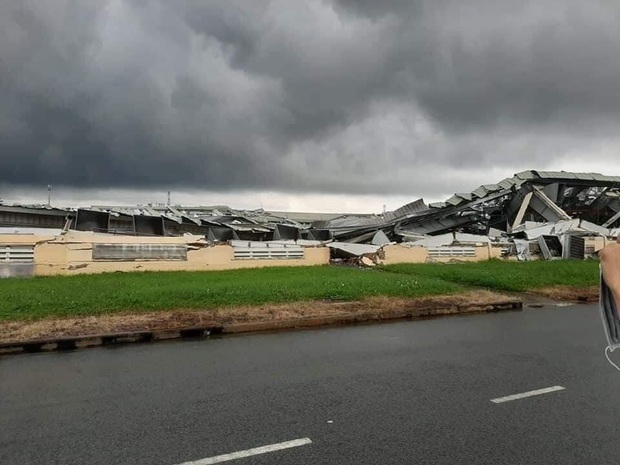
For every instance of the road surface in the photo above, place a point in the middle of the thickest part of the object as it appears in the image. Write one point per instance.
(442, 391)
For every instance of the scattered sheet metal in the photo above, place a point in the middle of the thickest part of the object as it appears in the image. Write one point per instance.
(551, 247)
(317, 234)
(380, 238)
(435, 241)
(496, 233)
(86, 220)
(283, 231)
(522, 251)
(346, 249)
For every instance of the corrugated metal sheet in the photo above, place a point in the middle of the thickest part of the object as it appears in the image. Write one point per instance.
(466, 196)
(353, 250)
(480, 192)
(551, 247)
(574, 176)
(410, 210)
(525, 175)
(286, 232)
(436, 241)
(413, 208)
(249, 228)
(454, 200)
(507, 184)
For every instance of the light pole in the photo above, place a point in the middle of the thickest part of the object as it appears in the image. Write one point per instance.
(49, 195)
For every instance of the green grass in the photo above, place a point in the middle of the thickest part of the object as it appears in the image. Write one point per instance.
(508, 276)
(65, 296)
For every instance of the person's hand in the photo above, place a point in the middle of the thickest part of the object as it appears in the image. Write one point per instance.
(610, 264)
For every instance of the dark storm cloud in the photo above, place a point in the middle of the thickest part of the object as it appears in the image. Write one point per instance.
(345, 96)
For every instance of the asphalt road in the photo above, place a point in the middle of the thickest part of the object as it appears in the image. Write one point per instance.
(401, 393)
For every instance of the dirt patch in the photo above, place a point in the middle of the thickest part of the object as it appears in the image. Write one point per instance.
(21, 331)
(569, 293)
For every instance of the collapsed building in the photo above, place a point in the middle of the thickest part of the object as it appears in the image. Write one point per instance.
(534, 214)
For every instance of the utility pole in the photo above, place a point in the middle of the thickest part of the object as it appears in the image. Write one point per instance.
(168, 198)
(49, 195)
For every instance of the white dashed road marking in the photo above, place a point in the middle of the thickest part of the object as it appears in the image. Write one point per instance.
(537, 392)
(250, 452)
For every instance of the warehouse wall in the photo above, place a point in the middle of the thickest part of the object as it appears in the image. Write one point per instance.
(219, 257)
(407, 254)
(404, 254)
(10, 268)
(72, 253)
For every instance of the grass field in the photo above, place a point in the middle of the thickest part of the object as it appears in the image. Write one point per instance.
(104, 293)
(509, 276)
(45, 297)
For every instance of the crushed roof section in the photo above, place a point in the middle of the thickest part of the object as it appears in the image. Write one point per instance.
(488, 207)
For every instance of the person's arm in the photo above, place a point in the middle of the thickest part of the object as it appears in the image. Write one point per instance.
(610, 264)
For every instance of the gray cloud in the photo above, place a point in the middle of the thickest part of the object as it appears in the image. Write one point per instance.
(347, 96)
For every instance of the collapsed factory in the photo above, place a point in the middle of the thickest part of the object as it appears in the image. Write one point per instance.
(532, 215)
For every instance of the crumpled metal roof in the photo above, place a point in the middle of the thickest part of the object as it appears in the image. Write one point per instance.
(488, 206)
(570, 176)
(533, 230)
(518, 180)
(37, 206)
(416, 207)
(412, 209)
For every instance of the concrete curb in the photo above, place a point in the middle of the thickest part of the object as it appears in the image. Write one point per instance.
(215, 329)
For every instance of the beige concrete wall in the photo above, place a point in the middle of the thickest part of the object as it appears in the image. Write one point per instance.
(72, 254)
(222, 259)
(209, 258)
(484, 252)
(403, 254)
(23, 239)
(50, 258)
(495, 253)
(597, 243)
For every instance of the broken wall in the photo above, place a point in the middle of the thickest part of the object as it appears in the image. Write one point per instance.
(17, 254)
(403, 254)
(72, 253)
(443, 254)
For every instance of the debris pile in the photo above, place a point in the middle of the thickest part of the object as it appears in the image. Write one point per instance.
(534, 214)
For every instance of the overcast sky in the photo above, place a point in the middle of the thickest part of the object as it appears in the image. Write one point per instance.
(312, 105)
